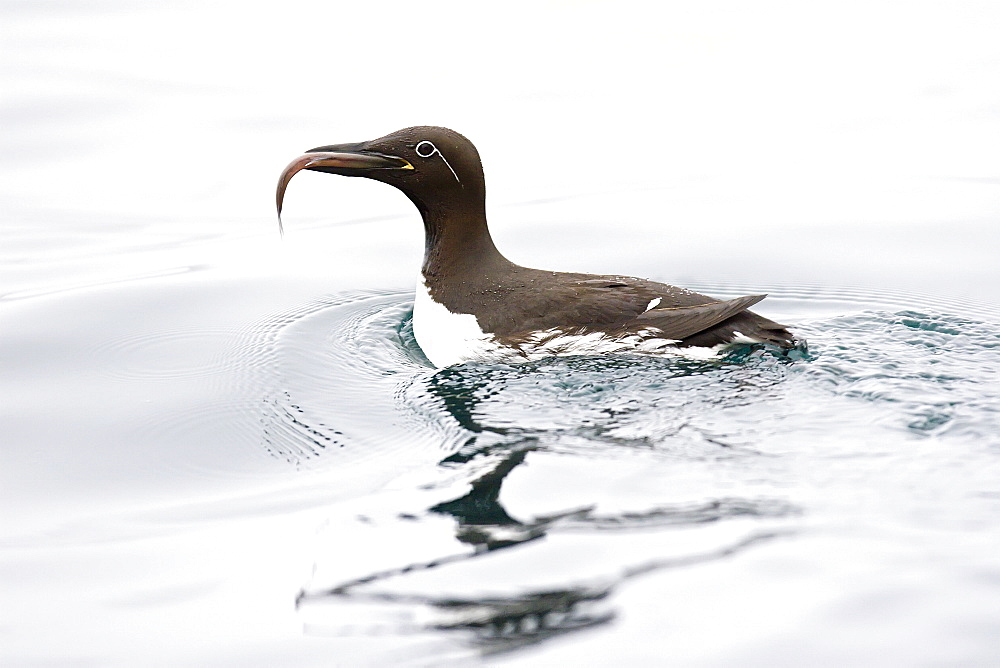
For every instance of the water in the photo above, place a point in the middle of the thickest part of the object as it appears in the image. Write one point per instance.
(225, 448)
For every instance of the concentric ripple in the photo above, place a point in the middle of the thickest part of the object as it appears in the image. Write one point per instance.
(332, 371)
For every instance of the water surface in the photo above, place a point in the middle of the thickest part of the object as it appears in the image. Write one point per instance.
(225, 448)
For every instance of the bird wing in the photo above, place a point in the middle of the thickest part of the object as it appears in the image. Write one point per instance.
(681, 322)
(623, 303)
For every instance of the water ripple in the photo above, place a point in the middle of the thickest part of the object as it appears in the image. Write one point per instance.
(927, 372)
(332, 371)
(581, 473)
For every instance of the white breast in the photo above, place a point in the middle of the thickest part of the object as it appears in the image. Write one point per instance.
(447, 338)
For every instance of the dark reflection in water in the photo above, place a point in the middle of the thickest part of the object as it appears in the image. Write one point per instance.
(505, 623)
(482, 521)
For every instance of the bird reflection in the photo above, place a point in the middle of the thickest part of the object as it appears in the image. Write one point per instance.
(482, 521)
(508, 412)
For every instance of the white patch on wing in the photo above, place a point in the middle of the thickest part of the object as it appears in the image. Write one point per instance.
(653, 303)
(740, 337)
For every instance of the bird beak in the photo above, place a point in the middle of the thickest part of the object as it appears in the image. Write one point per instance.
(335, 162)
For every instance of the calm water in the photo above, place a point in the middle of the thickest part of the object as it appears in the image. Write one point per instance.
(224, 448)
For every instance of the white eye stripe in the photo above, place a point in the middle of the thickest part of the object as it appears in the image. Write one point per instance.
(426, 149)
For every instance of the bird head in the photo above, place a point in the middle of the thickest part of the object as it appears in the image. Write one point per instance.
(428, 164)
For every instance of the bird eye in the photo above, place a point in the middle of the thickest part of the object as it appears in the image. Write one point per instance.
(426, 149)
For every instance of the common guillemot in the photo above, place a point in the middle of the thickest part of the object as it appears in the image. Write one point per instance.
(474, 304)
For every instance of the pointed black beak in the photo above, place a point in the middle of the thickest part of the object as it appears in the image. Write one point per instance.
(342, 159)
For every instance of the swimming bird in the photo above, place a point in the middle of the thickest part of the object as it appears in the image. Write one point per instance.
(474, 304)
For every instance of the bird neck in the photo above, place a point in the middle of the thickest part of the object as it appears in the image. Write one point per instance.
(457, 240)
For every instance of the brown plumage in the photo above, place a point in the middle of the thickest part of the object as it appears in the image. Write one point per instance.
(439, 170)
